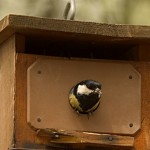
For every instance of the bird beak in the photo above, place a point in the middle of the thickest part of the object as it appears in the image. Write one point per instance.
(101, 92)
(97, 90)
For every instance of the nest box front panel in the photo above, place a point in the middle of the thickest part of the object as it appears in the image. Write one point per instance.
(50, 80)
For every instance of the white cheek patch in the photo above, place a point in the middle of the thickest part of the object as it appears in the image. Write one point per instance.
(82, 89)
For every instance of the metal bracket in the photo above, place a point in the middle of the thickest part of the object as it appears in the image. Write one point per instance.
(70, 10)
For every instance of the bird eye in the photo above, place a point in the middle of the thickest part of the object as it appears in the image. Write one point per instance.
(90, 86)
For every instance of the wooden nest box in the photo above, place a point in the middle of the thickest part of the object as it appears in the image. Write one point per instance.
(41, 60)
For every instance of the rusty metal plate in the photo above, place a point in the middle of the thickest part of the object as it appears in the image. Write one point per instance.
(50, 80)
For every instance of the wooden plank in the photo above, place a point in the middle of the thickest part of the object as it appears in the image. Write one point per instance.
(5, 31)
(19, 43)
(7, 89)
(102, 140)
(26, 137)
(142, 141)
(34, 26)
(144, 52)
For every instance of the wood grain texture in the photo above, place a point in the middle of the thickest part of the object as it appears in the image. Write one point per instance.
(18, 133)
(26, 137)
(144, 52)
(143, 137)
(34, 26)
(109, 40)
(19, 43)
(101, 140)
(7, 89)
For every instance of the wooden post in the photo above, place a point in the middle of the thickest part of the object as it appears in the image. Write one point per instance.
(7, 93)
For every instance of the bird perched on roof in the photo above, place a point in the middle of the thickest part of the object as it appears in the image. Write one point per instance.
(84, 97)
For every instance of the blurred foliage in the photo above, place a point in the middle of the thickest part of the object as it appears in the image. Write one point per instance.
(104, 11)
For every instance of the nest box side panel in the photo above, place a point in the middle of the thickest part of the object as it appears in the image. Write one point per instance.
(7, 85)
(26, 137)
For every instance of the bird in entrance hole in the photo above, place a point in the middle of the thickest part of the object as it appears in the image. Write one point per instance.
(84, 97)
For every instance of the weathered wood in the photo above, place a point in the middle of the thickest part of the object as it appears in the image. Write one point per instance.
(7, 89)
(22, 130)
(143, 137)
(26, 137)
(111, 41)
(105, 140)
(5, 31)
(19, 43)
(18, 134)
(96, 32)
(144, 52)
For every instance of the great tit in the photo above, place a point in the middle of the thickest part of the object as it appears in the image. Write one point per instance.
(84, 97)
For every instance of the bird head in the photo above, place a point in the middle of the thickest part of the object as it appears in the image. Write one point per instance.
(85, 96)
(87, 87)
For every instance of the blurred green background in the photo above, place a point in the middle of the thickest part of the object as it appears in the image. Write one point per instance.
(103, 11)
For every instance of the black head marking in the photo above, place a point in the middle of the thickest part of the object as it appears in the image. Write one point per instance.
(87, 101)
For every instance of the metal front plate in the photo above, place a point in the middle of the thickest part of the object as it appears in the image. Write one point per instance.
(50, 80)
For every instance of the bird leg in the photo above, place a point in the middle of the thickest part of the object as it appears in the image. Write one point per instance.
(89, 114)
(78, 113)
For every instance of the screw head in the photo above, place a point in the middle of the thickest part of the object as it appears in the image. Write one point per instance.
(39, 120)
(130, 77)
(56, 136)
(39, 71)
(110, 138)
(131, 125)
